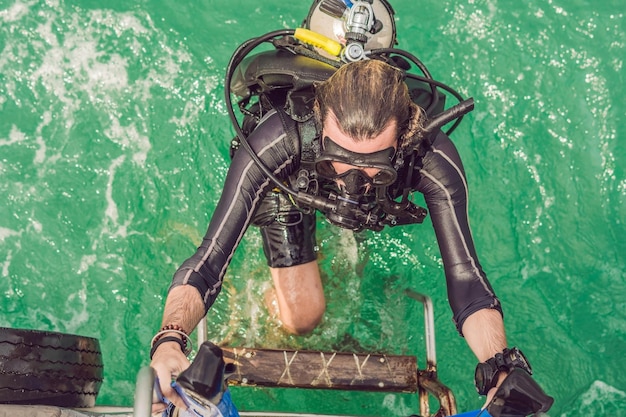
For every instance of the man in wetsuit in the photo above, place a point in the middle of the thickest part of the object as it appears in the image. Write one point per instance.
(364, 117)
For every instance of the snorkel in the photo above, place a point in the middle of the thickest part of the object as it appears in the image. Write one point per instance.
(355, 204)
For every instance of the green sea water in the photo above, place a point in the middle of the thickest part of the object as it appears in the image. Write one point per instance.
(114, 144)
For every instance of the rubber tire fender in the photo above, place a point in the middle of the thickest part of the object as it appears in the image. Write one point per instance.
(49, 368)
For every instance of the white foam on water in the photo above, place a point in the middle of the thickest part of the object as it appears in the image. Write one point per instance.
(600, 399)
(80, 68)
(15, 136)
(15, 12)
(130, 137)
(6, 263)
(190, 115)
(5, 233)
(40, 154)
(74, 60)
(112, 225)
(86, 261)
(77, 303)
(75, 63)
(347, 248)
(80, 71)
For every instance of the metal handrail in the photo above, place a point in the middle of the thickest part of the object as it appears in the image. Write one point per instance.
(201, 332)
(143, 392)
(429, 328)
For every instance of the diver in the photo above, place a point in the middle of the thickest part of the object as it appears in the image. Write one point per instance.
(349, 133)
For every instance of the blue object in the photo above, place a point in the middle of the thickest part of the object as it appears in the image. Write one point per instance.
(226, 405)
(474, 413)
(225, 408)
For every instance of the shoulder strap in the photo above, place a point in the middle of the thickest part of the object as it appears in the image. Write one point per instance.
(291, 130)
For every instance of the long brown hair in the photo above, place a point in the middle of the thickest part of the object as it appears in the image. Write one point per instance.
(365, 96)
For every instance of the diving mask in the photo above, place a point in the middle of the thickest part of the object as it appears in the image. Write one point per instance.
(357, 162)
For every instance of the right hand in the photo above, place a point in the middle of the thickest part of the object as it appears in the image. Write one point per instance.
(168, 362)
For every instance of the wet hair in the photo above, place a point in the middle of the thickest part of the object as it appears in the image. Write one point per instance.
(364, 97)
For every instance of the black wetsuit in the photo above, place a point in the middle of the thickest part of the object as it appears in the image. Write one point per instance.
(441, 179)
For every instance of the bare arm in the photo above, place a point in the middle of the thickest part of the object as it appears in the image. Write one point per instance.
(183, 307)
(484, 333)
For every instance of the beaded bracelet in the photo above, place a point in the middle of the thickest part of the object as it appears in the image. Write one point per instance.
(173, 328)
(177, 328)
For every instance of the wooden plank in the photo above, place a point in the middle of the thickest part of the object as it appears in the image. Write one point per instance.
(322, 370)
